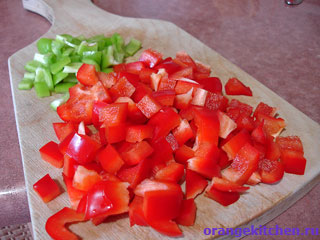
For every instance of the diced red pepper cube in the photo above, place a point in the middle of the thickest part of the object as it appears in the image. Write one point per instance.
(150, 57)
(163, 122)
(51, 154)
(164, 97)
(264, 109)
(235, 87)
(122, 88)
(183, 154)
(148, 106)
(293, 161)
(137, 133)
(224, 198)
(110, 159)
(115, 133)
(173, 172)
(195, 184)
(236, 143)
(134, 153)
(290, 143)
(187, 215)
(47, 188)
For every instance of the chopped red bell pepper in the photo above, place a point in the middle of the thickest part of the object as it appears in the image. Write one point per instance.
(137, 133)
(148, 106)
(226, 185)
(244, 164)
(75, 195)
(47, 188)
(270, 171)
(224, 198)
(291, 143)
(122, 88)
(173, 172)
(82, 148)
(164, 97)
(235, 87)
(195, 184)
(150, 57)
(56, 224)
(51, 154)
(87, 75)
(63, 129)
(211, 84)
(110, 159)
(136, 215)
(233, 146)
(84, 178)
(187, 215)
(293, 161)
(183, 154)
(133, 153)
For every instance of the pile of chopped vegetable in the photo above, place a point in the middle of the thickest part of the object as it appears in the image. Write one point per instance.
(54, 67)
(130, 138)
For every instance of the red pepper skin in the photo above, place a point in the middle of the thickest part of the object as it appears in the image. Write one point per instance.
(195, 184)
(163, 122)
(107, 79)
(173, 172)
(148, 106)
(82, 148)
(245, 163)
(264, 109)
(47, 188)
(55, 225)
(51, 154)
(150, 57)
(75, 195)
(63, 129)
(134, 153)
(291, 143)
(137, 133)
(183, 154)
(227, 186)
(135, 175)
(235, 87)
(270, 171)
(168, 65)
(87, 75)
(162, 204)
(110, 159)
(136, 215)
(224, 198)
(165, 97)
(186, 60)
(187, 215)
(293, 161)
(236, 143)
(122, 88)
(135, 67)
(211, 84)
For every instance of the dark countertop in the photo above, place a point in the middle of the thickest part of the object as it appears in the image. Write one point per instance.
(277, 44)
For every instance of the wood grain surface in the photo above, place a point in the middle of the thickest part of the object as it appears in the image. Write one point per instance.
(34, 124)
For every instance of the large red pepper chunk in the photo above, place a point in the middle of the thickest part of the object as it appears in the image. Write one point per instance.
(150, 57)
(82, 148)
(47, 188)
(87, 75)
(244, 164)
(55, 225)
(235, 87)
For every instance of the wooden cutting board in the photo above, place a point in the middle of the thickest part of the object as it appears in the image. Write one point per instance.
(34, 122)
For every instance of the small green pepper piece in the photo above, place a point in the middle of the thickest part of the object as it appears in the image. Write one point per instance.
(67, 52)
(85, 46)
(58, 77)
(72, 67)
(63, 87)
(45, 59)
(32, 65)
(25, 84)
(71, 78)
(30, 76)
(44, 75)
(44, 45)
(132, 47)
(56, 47)
(107, 58)
(93, 55)
(59, 65)
(42, 89)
